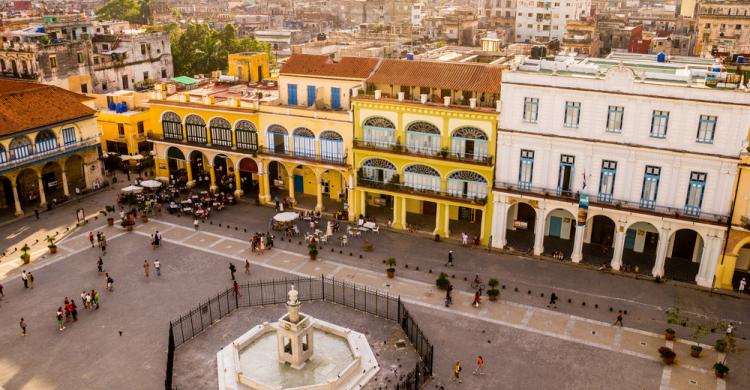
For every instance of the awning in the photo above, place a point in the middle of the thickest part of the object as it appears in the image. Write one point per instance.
(185, 80)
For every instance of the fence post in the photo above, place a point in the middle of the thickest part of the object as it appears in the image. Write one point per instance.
(170, 359)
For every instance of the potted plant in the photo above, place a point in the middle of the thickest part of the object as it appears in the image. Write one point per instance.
(442, 281)
(698, 331)
(721, 345)
(444, 152)
(493, 292)
(669, 334)
(367, 246)
(312, 250)
(391, 270)
(127, 223)
(695, 350)
(51, 244)
(25, 255)
(667, 355)
(720, 369)
(110, 218)
(144, 217)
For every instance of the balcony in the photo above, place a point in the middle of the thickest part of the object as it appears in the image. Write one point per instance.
(745, 221)
(434, 101)
(406, 189)
(306, 156)
(60, 150)
(606, 201)
(439, 154)
(161, 138)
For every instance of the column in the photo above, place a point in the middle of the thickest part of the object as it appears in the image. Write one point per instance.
(539, 232)
(661, 253)
(212, 174)
(66, 192)
(319, 195)
(189, 169)
(362, 205)
(238, 192)
(290, 183)
(499, 222)
(42, 198)
(619, 247)
(351, 199)
(441, 220)
(264, 183)
(398, 221)
(577, 254)
(16, 200)
(711, 254)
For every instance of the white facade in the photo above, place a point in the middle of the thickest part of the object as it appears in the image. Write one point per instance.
(499, 9)
(602, 129)
(541, 21)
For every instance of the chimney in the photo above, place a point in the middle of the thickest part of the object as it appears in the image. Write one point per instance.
(401, 96)
(211, 100)
(205, 99)
(423, 98)
(498, 106)
(447, 100)
(377, 94)
(355, 92)
(473, 103)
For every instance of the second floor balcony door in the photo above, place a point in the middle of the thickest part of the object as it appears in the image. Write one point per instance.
(423, 138)
(379, 132)
(277, 138)
(565, 180)
(470, 143)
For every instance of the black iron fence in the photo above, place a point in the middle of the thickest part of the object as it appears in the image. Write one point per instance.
(271, 292)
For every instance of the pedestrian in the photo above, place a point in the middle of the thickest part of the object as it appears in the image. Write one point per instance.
(95, 297)
(36, 214)
(2, 294)
(145, 267)
(195, 223)
(83, 299)
(110, 283)
(60, 325)
(91, 239)
(99, 238)
(156, 240)
(477, 299)
(247, 268)
(22, 324)
(31, 279)
(448, 297)
(74, 310)
(464, 239)
(232, 269)
(89, 304)
(157, 267)
(552, 301)
(730, 329)
(480, 366)
(104, 244)
(618, 321)
(743, 284)
(100, 264)
(457, 371)
(450, 259)
(236, 288)
(25, 279)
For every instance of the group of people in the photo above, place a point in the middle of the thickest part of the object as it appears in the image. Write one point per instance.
(259, 242)
(465, 240)
(101, 241)
(69, 310)
(477, 371)
(28, 279)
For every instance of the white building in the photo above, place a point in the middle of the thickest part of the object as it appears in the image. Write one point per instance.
(654, 145)
(541, 21)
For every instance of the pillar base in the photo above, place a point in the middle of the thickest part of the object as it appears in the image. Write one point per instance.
(238, 193)
(576, 259)
(18, 213)
(318, 207)
(42, 205)
(213, 188)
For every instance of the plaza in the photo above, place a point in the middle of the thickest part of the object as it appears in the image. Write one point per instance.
(573, 344)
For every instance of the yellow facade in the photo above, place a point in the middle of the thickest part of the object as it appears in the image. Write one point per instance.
(249, 66)
(123, 132)
(735, 262)
(418, 194)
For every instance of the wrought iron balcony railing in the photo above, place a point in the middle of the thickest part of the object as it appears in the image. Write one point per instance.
(405, 188)
(435, 153)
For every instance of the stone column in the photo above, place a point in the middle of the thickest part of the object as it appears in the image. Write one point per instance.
(539, 232)
(189, 169)
(264, 183)
(212, 174)
(65, 183)
(441, 220)
(238, 191)
(16, 200)
(661, 253)
(351, 199)
(499, 222)
(709, 259)
(290, 184)
(398, 221)
(42, 197)
(319, 194)
(619, 247)
(362, 205)
(577, 254)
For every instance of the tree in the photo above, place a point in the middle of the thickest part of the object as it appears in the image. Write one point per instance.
(133, 11)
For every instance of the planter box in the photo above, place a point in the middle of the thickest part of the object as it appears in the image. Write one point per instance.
(52, 249)
(391, 274)
(110, 221)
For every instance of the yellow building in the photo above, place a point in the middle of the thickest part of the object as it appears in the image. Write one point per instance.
(424, 146)
(123, 122)
(735, 264)
(292, 143)
(249, 66)
(48, 146)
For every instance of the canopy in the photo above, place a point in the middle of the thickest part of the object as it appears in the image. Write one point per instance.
(125, 157)
(288, 216)
(185, 80)
(151, 184)
(137, 157)
(132, 189)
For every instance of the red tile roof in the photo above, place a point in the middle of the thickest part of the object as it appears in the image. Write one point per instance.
(436, 74)
(26, 105)
(314, 65)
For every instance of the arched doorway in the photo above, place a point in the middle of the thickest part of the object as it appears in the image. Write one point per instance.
(74, 174)
(305, 185)
(7, 203)
(224, 171)
(599, 240)
(278, 179)
(46, 141)
(176, 163)
(639, 253)
(249, 177)
(52, 181)
(559, 232)
(335, 190)
(28, 187)
(199, 168)
(741, 266)
(684, 255)
(520, 227)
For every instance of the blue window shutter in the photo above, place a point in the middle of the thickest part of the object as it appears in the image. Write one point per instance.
(292, 92)
(335, 98)
(311, 95)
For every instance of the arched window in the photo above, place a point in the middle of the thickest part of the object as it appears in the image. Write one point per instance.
(3, 155)
(467, 184)
(246, 134)
(196, 129)
(221, 132)
(20, 148)
(69, 135)
(378, 170)
(332, 147)
(423, 137)
(422, 177)
(171, 125)
(304, 143)
(469, 143)
(46, 141)
(379, 132)
(277, 138)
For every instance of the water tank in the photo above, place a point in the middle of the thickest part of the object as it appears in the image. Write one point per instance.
(661, 57)
(410, 56)
(740, 59)
(112, 106)
(538, 52)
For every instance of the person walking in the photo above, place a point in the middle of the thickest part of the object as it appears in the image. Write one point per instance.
(552, 301)
(22, 324)
(157, 267)
(480, 366)
(236, 288)
(60, 326)
(730, 329)
(104, 244)
(477, 299)
(91, 239)
(247, 266)
(448, 296)
(83, 299)
(457, 371)
(743, 284)
(25, 279)
(31, 279)
(145, 267)
(2, 294)
(100, 264)
(195, 224)
(110, 283)
(232, 269)
(74, 310)
(89, 304)
(450, 259)
(95, 297)
(618, 321)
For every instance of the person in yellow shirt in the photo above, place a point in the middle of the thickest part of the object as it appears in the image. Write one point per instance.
(457, 371)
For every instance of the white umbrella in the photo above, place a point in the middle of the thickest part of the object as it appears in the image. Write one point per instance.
(151, 184)
(125, 157)
(137, 157)
(132, 189)
(288, 216)
(329, 229)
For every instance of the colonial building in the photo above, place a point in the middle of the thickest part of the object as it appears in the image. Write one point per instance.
(626, 161)
(123, 121)
(735, 264)
(424, 136)
(723, 27)
(48, 146)
(542, 21)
